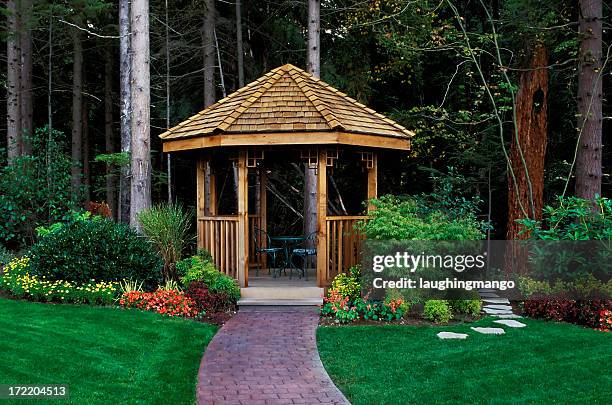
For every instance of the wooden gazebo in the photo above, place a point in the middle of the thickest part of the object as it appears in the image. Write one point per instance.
(286, 108)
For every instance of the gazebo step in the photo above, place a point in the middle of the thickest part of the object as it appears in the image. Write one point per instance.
(277, 302)
(282, 293)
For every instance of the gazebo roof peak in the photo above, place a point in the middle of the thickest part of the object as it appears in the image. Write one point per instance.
(285, 102)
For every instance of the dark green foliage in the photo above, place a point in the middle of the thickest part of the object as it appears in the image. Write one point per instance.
(573, 219)
(35, 190)
(96, 249)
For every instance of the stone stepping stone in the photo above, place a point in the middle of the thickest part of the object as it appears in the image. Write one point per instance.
(489, 295)
(511, 323)
(452, 335)
(507, 316)
(489, 331)
(492, 311)
(500, 307)
(487, 290)
(497, 300)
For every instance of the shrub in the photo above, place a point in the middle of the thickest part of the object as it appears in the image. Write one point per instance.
(573, 218)
(208, 301)
(347, 284)
(165, 302)
(195, 268)
(5, 256)
(17, 280)
(339, 307)
(35, 190)
(437, 311)
(467, 307)
(594, 313)
(95, 249)
(168, 227)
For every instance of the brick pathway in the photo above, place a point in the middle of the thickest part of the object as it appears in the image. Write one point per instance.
(266, 356)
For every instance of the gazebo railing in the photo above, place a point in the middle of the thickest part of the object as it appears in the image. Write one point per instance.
(219, 235)
(344, 244)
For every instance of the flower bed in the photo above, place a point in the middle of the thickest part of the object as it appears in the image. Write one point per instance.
(165, 302)
(18, 281)
(596, 314)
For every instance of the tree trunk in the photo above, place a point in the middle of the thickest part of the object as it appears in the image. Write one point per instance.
(86, 156)
(13, 103)
(123, 214)
(77, 113)
(109, 143)
(26, 77)
(589, 154)
(525, 197)
(140, 120)
(314, 38)
(314, 67)
(239, 48)
(208, 41)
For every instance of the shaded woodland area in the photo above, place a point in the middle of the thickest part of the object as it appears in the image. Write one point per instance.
(510, 94)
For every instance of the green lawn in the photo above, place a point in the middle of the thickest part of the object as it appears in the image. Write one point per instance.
(543, 363)
(105, 355)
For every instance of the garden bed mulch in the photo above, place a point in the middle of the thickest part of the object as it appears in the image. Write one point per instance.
(408, 321)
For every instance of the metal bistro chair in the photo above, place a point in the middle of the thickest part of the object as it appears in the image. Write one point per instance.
(259, 235)
(304, 249)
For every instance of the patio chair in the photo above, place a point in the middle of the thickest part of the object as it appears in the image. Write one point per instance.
(261, 248)
(304, 250)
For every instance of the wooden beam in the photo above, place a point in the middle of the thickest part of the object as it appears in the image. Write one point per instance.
(200, 199)
(287, 138)
(263, 210)
(243, 220)
(322, 262)
(212, 189)
(373, 181)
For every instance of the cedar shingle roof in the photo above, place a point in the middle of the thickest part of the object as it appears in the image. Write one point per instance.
(287, 99)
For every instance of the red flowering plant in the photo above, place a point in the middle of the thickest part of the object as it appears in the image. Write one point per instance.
(339, 306)
(605, 320)
(165, 302)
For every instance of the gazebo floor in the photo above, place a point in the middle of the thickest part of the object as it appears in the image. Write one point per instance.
(266, 290)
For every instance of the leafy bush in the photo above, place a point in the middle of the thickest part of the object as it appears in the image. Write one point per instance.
(404, 218)
(18, 280)
(438, 311)
(35, 190)
(467, 307)
(208, 301)
(343, 309)
(168, 227)
(165, 302)
(347, 284)
(594, 313)
(95, 249)
(573, 219)
(197, 268)
(5, 256)
(338, 306)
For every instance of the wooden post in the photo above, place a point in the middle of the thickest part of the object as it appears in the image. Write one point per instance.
(243, 220)
(200, 198)
(212, 191)
(373, 181)
(322, 262)
(263, 211)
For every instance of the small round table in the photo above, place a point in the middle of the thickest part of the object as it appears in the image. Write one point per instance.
(286, 242)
